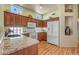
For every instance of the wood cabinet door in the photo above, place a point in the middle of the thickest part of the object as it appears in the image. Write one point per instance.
(23, 21)
(45, 36)
(39, 23)
(42, 36)
(12, 20)
(33, 50)
(35, 21)
(31, 20)
(44, 23)
(8, 19)
(17, 20)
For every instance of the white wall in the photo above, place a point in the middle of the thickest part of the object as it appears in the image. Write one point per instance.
(1, 18)
(50, 14)
(68, 41)
(78, 30)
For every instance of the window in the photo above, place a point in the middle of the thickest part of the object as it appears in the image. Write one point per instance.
(38, 16)
(16, 9)
(16, 30)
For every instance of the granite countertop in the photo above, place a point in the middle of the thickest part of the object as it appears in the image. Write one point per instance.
(1, 40)
(1, 36)
(17, 43)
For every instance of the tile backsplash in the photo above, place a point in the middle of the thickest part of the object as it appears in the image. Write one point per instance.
(41, 29)
(25, 29)
(37, 29)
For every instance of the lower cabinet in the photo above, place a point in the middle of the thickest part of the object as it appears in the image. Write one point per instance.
(32, 50)
(42, 36)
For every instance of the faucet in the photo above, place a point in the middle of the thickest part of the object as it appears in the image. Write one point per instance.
(7, 32)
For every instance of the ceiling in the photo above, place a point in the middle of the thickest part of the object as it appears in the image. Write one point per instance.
(41, 8)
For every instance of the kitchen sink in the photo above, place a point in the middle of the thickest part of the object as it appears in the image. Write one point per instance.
(16, 35)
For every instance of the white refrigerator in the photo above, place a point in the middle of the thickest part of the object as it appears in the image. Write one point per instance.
(53, 32)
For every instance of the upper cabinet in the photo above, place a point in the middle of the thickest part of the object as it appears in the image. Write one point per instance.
(17, 20)
(9, 19)
(24, 21)
(39, 23)
(45, 23)
(32, 20)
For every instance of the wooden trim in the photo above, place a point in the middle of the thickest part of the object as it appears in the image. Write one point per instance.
(53, 19)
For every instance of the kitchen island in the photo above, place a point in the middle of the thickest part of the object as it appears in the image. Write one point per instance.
(22, 45)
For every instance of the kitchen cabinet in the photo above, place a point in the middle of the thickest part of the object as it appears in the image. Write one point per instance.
(24, 21)
(39, 23)
(32, 50)
(45, 36)
(32, 20)
(17, 20)
(42, 36)
(9, 19)
(44, 23)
